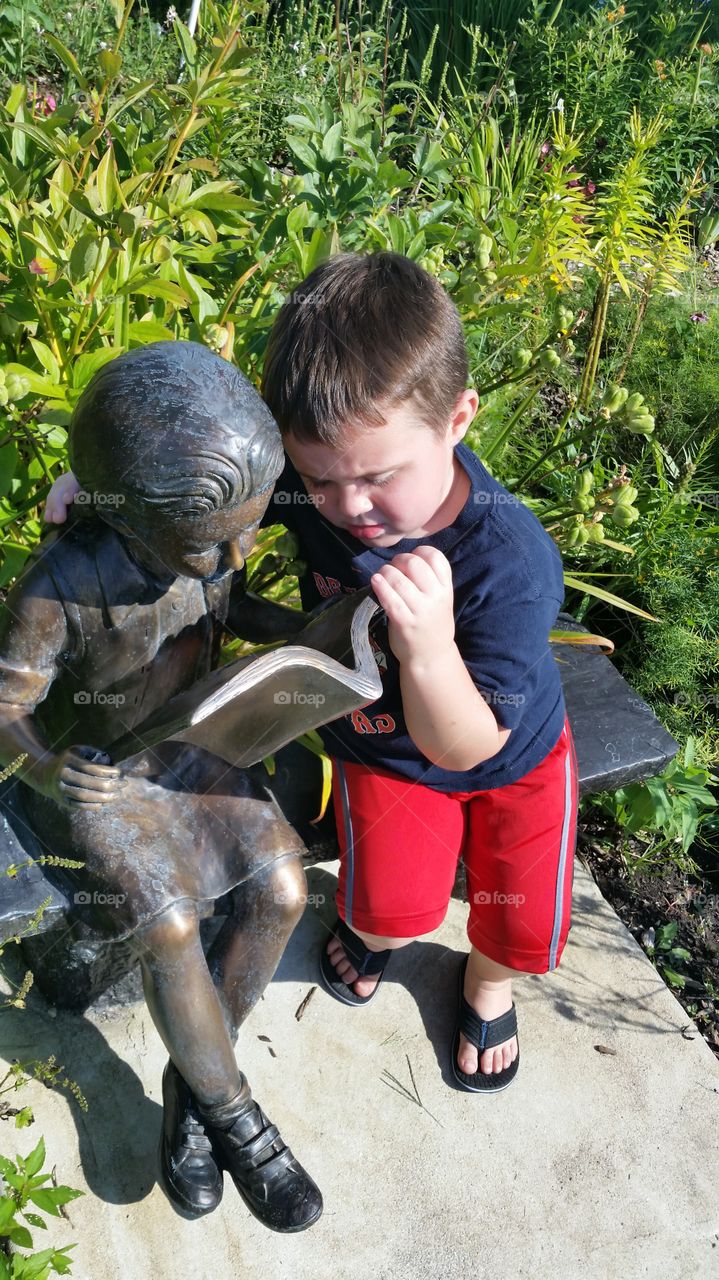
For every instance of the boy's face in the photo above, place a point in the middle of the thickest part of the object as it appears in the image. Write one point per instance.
(386, 483)
(206, 547)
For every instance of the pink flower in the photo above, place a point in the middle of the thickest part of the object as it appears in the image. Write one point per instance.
(699, 317)
(575, 182)
(589, 188)
(36, 268)
(545, 148)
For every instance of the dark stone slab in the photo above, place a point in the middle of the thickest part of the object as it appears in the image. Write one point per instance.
(617, 736)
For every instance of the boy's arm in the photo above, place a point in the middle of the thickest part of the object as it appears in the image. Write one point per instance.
(446, 715)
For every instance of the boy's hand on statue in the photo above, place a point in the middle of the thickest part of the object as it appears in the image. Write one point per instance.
(417, 594)
(60, 497)
(82, 777)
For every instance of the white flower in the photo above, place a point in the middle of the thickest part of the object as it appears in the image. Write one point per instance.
(559, 105)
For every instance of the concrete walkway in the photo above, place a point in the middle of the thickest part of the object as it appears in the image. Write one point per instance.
(592, 1164)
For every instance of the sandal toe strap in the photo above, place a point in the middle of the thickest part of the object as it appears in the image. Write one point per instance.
(487, 1034)
(366, 962)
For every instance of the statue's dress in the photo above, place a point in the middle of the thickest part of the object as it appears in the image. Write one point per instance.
(92, 643)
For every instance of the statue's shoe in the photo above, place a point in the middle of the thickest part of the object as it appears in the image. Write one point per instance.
(189, 1171)
(272, 1183)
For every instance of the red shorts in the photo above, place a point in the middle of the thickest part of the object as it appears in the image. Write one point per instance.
(400, 843)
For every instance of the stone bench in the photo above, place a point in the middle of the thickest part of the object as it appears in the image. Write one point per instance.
(618, 740)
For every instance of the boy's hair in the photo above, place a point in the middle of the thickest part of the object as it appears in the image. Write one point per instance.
(174, 432)
(362, 334)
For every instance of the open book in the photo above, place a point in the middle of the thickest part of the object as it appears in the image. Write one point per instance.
(248, 709)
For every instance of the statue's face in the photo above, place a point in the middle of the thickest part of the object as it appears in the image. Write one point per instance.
(207, 547)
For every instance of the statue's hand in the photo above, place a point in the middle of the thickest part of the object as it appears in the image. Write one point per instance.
(81, 777)
(60, 497)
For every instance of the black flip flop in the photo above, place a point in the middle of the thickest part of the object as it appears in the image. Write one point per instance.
(366, 962)
(483, 1035)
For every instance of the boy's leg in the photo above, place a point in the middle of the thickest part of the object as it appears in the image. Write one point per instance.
(520, 861)
(399, 845)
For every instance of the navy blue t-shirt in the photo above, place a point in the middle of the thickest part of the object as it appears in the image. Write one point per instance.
(508, 589)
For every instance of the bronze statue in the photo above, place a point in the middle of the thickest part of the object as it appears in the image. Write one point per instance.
(120, 609)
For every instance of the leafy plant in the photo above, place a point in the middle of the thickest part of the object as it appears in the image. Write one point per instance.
(24, 1184)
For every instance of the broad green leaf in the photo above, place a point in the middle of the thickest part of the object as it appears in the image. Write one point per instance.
(84, 257)
(68, 58)
(110, 63)
(106, 181)
(332, 142)
(36, 1159)
(46, 358)
(9, 458)
(87, 365)
(187, 45)
(303, 152)
(154, 288)
(61, 184)
(144, 331)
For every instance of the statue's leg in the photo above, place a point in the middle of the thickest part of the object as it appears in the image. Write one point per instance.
(249, 946)
(209, 1111)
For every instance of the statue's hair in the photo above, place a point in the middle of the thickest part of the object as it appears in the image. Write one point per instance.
(174, 431)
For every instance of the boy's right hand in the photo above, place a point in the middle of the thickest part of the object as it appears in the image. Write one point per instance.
(81, 777)
(60, 498)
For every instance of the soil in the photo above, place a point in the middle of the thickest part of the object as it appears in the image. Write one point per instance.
(647, 900)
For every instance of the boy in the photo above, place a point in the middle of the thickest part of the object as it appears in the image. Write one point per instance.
(469, 750)
(110, 619)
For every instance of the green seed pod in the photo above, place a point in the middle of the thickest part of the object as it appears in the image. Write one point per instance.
(614, 397)
(625, 496)
(215, 336)
(4, 397)
(565, 319)
(569, 347)
(522, 358)
(550, 359)
(483, 260)
(16, 386)
(624, 515)
(584, 482)
(596, 533)
(634, 403)
(484, 244)
(642, 425)
(2, 377)
(487, 277)
(582, 535)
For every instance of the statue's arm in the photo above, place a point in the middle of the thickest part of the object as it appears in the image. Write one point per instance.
(261, 621)
(33, 637)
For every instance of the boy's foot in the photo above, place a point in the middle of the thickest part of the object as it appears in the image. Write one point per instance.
(363, 986)
(491, 1037)
(489, 1000)
(348, 967)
